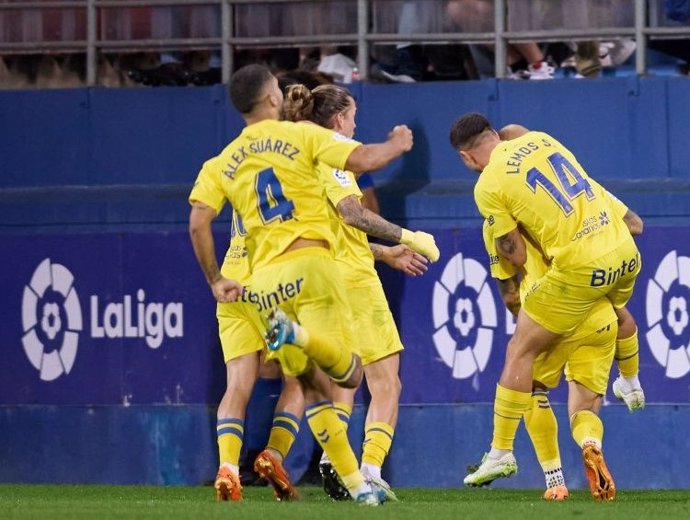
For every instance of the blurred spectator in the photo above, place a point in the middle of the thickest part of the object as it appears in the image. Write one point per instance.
(526, 60)
(673, 13)
(410, 62)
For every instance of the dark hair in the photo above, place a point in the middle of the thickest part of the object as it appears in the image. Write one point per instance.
(466, 129)
(246, 85)
(319, 105)
(311, 80)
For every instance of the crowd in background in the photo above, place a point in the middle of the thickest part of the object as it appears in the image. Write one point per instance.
(197, 28)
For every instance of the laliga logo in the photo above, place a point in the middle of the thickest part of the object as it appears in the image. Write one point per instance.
(464, 316)
(51, 319)
(667, 315)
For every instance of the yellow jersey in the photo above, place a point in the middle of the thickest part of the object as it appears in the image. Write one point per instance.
(207, 191)
(536, 266)
(536, 182)
(352, 250)
(268, 175)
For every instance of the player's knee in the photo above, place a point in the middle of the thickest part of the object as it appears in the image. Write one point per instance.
(525, 350)
(355, 378)
(388, 386)
(238, 392)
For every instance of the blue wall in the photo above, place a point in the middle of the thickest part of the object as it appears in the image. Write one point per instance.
(96, 181)
(433, 446)
(621, 128)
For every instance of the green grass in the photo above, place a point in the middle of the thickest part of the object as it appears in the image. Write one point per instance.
(170, 503)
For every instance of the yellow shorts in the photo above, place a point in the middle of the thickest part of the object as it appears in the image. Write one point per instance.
(585, 358)
(307, 285)
(559, 300)
(239, 328)
(376, 335)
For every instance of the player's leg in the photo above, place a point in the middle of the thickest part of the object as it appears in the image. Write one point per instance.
(330, 433)
(334, 358)
(542, 428)
(314, 319)
(587, 373)
(343, 400)
(241, 374)
(286, 419)
(242, 342)
(627, 386)
(382, 416)
(540, 420)
(588, 432)
(513, 398)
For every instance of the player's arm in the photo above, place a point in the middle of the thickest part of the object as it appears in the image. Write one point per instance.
(355, 215)
(200, 218)
(371, 157)
(634, 222)
(511, 246)
(509, 289)
(400, 257)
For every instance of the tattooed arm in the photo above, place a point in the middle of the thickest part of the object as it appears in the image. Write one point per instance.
(357, 216)
(510, 293)
(511, 246)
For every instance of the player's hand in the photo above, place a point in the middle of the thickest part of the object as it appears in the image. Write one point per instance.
(408, 261)
(421, 242)
(226, 290)
(401, 136)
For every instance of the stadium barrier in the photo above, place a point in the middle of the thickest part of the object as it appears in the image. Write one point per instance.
(108, 327)
(111, 338)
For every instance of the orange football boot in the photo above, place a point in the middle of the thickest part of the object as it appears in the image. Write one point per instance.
(269, 467)
(601, 484)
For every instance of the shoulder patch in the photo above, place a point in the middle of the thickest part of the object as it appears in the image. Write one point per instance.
(342, 177)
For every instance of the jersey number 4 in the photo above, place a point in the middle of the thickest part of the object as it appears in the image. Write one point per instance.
(272, 203)
(571, 182)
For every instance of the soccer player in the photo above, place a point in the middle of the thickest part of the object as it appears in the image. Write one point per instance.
(267, 175)
(241, 335)
(585, 357)
(535, 182)
(627, 385)
(377, 342)
(242, 341)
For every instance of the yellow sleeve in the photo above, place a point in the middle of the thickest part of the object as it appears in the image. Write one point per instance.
(487, 195)
(328, 146)
(500, 268)
(208, 188)
(337, 183)
(619, 208)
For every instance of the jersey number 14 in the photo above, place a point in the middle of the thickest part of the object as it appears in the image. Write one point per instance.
(571, 182)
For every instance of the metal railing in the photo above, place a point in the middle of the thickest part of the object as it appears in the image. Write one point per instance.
(364, 37)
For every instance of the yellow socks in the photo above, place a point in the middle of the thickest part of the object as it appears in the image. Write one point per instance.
(378, 437)
(628, 356)
(344, 412)
(542, 427)
(509, 407)
(586, 427)
(334, 359)
(283, 432)
(230, 432)
(331, 435)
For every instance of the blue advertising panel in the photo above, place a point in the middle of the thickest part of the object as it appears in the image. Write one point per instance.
(455, 326)
(128, 319)
(107, 319)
